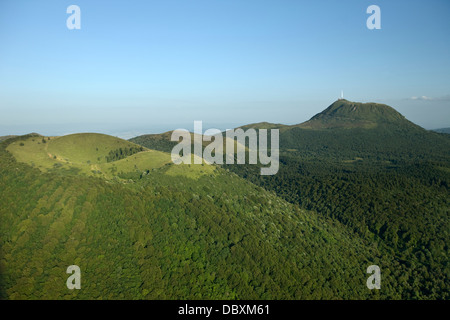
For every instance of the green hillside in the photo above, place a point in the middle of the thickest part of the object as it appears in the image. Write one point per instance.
(347, 114)
(159, 142)
(89, 154)
(344, 114)
(383, 143)
(388, 182)
(348, 130)
(385, 178)
(83, 147)
(164, 236)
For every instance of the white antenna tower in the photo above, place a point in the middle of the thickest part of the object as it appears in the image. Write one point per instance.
(342, 94)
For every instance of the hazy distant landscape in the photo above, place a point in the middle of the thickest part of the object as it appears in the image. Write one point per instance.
(443, 130)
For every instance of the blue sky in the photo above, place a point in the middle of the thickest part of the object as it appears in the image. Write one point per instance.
(150, 66)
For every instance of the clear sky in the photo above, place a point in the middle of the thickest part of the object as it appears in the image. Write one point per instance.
(150, 66)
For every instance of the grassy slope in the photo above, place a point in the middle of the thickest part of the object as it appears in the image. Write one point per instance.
(84, 154)
(32, 151)
(82, 147)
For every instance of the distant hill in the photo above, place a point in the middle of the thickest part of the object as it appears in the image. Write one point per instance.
(34, 134)
(344, 114)
(159, 142)
(346, 130)
(442, 130)
(343, 131)
(264, 125)
(347, 114)
(3, 138)
(162, 142)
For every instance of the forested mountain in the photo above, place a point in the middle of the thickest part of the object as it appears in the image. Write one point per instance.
(377, 173)
(347, 114)
(387, 179)
(159, 142)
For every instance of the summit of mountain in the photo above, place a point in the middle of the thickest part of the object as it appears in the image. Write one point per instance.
(344, 114)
